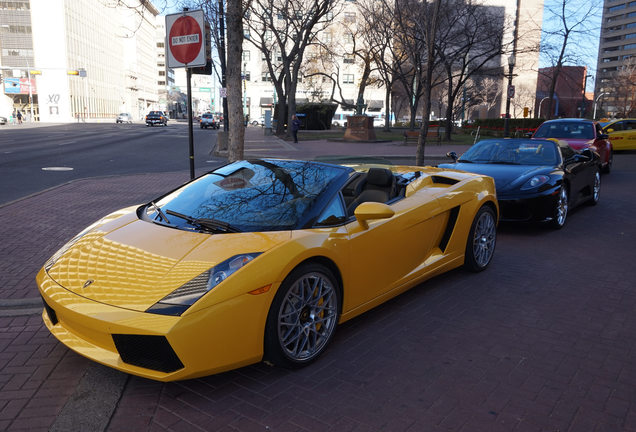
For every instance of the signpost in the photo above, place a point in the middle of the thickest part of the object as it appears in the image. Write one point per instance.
(186, 44)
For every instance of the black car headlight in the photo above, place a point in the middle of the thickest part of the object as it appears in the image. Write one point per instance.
(179, 300)
(535, 182)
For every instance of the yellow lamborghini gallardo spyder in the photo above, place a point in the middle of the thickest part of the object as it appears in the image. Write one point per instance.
(259, 260)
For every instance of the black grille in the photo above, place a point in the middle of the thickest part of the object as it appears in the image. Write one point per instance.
(150, 352)
(50, 312)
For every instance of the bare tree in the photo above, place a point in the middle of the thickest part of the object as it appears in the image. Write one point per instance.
(428, 25)
(524, 98)
(571, 21)
(282, 30)
(625, 80)
(470, 40)
(487, 93)
(235, 14)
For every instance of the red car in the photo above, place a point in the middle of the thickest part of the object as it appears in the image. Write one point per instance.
(579, 134)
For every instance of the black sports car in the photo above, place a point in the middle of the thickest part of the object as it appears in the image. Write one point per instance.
(536, 180)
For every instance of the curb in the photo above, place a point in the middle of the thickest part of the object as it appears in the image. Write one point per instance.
(20, 307)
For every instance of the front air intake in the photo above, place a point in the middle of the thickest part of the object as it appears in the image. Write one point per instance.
(150, 352)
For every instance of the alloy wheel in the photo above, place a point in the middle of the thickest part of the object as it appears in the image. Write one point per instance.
(307, 316)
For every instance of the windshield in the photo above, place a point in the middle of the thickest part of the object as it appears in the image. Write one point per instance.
(512, 151)
(565, 130)
(257, 195)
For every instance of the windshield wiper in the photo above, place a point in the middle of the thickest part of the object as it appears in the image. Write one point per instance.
(205, 223)
(159, 212)
(464, 161)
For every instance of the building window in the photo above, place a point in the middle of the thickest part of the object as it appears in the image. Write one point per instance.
(246, 55)
(615, 8)
(629, 46)
(631, 15)
(349, 59)
(162, 73)
(350, 17)
(160, 45)
(347, 79)
(630, 36)
(610, 59)
(612, 39)
(247, 76)
(348, 38)
(265, 77)
(268, 35)
(326, 37)
(246, 33)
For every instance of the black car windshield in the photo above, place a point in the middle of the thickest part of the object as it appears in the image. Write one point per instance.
(513, 152)
(566, 130)
(260, 195)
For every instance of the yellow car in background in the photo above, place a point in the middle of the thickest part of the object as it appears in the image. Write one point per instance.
(622, 133)
(259, 260)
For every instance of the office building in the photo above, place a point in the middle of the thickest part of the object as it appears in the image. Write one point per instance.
(616, 70)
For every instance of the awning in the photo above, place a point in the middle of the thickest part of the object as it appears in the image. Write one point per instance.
(267, 101)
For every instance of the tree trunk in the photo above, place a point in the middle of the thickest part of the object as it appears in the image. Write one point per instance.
(234, 89)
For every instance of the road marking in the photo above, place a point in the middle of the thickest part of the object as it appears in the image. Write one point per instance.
(57, 169)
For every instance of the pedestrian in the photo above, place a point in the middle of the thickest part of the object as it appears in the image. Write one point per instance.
(295, 126)
(19, 115)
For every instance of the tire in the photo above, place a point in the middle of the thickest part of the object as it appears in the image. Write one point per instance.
(303, 316)
(482, 238)
(595, 196)
(608, 166)
(561, 208)
(254, 123)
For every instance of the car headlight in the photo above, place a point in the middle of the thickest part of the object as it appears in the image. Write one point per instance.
(535, 182)
(187, 294)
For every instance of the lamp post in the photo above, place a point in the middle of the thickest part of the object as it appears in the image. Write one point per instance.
(510, 95)
(540, 105)
(595, 102)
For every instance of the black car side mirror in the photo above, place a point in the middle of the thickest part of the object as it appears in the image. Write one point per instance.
(452, 155)
(603, 136)
(587, 153)
(528, 134)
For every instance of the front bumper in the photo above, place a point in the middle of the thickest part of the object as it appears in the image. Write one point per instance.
(164, 348)
(526, 208)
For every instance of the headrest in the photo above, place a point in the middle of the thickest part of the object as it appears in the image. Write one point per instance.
(380, 177)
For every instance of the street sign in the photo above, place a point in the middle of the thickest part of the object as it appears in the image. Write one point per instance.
(185, 39)
(511, 91)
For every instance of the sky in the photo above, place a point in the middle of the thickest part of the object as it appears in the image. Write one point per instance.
(583, 48)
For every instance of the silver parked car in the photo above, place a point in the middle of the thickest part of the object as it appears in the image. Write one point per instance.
(124, 118)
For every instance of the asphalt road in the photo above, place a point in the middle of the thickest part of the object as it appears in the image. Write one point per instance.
(34, 158)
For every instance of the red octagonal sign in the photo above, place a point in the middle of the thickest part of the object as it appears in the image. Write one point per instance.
(185, 39)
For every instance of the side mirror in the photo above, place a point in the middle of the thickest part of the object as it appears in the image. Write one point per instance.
(370, 211)
(452, 155)
(528, 134)
(587, 153)
(603, 136)
(609, 131)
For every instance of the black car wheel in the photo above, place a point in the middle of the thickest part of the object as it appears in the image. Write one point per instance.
(482, 238)
(596, 189)
(561, 209)
(303, 316)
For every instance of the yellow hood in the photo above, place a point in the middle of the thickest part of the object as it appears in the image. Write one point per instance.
(138, 263)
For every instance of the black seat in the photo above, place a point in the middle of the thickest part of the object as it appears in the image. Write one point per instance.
(379, 187)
